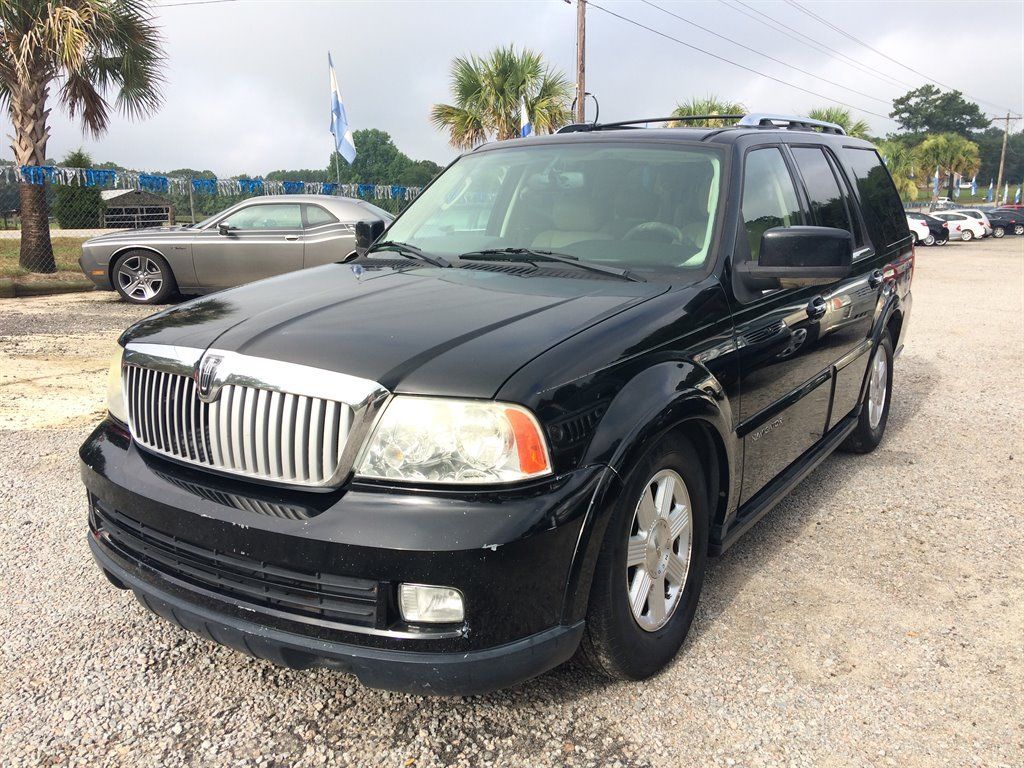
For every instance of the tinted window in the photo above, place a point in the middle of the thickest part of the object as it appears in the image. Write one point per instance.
(769, 199)
(316, 216)
(284, 216)
(880, 202)
(827, 206)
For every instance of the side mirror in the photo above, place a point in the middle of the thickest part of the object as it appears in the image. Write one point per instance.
(803, 255)
(224, 228)
(367, 233)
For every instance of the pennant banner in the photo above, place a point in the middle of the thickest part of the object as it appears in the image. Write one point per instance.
(159, 184)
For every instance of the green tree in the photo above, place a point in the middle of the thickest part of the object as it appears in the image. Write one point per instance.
(929, 110)
(488, 92)
(89, 49)
(709, 105)
(419, 173)
(859, 129)
(378, 160)
(951, 154)
(990, 146)
(78, 207)
(904, 167)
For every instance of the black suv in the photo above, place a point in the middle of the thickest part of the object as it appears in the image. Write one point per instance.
(518, 422)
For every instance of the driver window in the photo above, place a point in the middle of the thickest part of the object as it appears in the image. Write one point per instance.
(769, 198)
(282, 216)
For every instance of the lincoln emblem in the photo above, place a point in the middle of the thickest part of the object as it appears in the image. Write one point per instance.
(206, 374)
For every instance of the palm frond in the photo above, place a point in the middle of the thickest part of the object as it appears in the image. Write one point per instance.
(709, 105)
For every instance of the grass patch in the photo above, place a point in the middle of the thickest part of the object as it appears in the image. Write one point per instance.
(66, 251)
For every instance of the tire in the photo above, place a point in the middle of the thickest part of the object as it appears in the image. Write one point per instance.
(143, 277)
(874, 412)
(621, 641)
(1018, 229)
(966, 235)
(930, 240)
(941, 241)
(998, 232)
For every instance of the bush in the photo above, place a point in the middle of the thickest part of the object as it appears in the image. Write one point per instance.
(78, 207)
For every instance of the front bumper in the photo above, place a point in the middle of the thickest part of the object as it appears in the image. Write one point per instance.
(511, 553)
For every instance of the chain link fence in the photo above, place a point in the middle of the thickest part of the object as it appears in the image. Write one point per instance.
(46, 212)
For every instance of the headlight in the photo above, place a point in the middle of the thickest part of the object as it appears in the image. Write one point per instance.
(454, 441)
(115, 396)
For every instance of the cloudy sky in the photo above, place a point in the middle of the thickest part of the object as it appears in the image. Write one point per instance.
(247, 84)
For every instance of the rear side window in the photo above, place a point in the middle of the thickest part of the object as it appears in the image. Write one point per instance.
(827, 206)
(769, 198)
(883, 209)
(317, 216)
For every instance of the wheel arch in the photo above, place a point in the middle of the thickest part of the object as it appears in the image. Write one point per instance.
(674, 399)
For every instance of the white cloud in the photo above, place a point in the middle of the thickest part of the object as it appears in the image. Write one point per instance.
(247, 81)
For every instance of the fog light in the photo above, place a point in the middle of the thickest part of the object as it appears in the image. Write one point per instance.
(430, 605)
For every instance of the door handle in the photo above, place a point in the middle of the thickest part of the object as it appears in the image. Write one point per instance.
(291, 237)
(816, 308)
(875, 278)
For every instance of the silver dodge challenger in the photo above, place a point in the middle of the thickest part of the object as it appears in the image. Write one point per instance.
(257, 238)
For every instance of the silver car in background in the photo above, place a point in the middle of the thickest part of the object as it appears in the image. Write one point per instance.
(257, 238)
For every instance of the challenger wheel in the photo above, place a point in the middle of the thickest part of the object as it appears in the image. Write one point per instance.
(143, 277)
(651, 567)
(874, 412)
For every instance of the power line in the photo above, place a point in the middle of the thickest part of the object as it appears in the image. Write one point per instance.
(800, 37)
(847, 35)
(730, 61)
(765, 55)
(194, 2)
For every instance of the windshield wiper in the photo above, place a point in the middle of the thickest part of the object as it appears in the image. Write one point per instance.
(409, 252)
(533, 254)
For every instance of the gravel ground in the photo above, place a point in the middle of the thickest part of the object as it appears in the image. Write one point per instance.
(873, 619)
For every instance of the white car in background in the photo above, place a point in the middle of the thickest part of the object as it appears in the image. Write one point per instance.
(961, 227)
(974, 213)
(921, 232)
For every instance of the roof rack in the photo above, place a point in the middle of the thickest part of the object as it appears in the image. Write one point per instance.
(578, 127)
(753, 120)
(766, 120)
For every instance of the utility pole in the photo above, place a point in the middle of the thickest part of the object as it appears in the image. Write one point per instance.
(581, 50)
(1002, 160)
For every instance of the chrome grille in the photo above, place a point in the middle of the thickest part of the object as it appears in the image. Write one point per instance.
(290, 438)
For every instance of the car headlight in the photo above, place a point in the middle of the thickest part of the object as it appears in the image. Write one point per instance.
(440, 440)
(115, 395)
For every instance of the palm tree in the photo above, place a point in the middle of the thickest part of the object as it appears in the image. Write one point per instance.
(841, 117)
(88, 49)
(709, 105)
(951, 153)
(903, 165)
(488, 92)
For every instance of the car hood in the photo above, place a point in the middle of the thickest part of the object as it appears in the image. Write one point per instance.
(147, 233)
(420, 330)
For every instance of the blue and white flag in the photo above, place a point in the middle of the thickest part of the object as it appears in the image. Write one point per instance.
(1006, 191)
(935, 182)
(991, 191)
(1016, 198)
(974, 186)
(525, 126)
(343, 140)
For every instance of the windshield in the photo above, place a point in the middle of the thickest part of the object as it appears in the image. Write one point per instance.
(645, 209)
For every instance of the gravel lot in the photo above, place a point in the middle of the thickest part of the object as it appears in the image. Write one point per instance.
(875, 618)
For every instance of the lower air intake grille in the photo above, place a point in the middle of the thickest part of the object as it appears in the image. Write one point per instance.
(321, 596)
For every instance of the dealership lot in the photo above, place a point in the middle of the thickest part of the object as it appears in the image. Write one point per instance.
(874, 618)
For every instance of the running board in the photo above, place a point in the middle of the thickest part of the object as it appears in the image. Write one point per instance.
(760, 504)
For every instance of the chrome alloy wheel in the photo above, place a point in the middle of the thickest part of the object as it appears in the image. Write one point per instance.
(878, 388)
(658, 552)
(140, 277)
